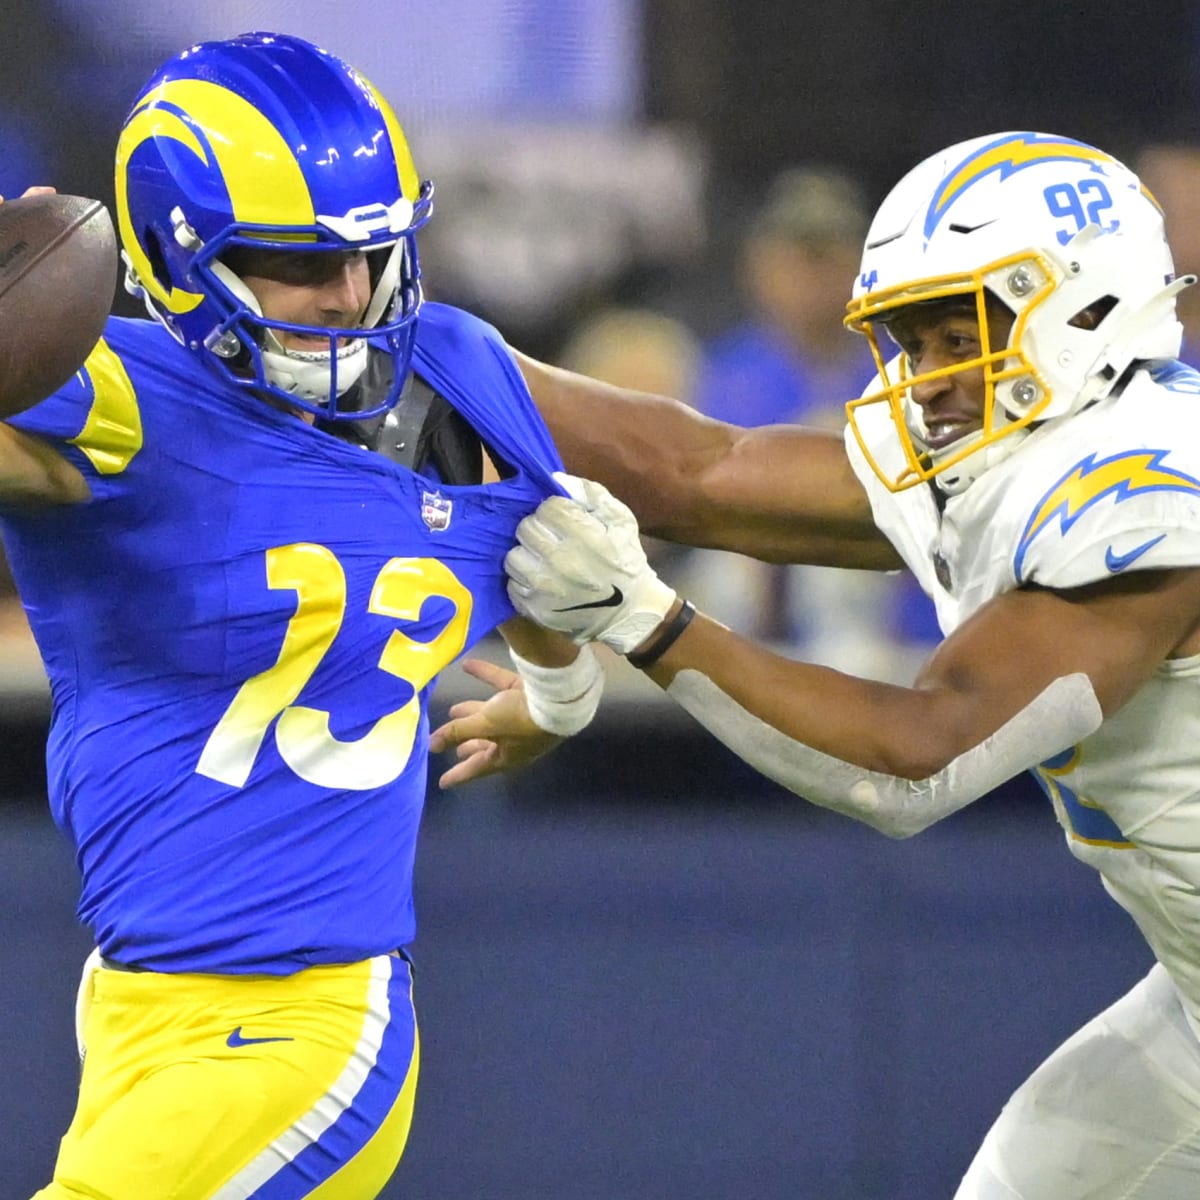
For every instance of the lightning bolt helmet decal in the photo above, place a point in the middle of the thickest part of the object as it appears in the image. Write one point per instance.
(1007, 155)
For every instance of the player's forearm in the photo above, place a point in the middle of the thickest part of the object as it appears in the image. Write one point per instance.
(538, 645)
(787, 494)
(897, 759)
(873, 725)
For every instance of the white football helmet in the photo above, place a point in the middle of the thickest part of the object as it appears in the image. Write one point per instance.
(1048, 226)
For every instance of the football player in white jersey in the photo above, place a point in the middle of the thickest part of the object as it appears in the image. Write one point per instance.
(1031, 451)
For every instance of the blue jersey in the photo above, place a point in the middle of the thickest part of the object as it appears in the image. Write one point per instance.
(241, 629)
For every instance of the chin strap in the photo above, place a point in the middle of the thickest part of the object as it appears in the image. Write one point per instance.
(308, 373)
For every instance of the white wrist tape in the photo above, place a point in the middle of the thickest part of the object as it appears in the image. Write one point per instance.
(562, 700)
(1064, 713)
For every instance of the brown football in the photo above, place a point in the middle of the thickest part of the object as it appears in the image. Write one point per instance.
(58, 267)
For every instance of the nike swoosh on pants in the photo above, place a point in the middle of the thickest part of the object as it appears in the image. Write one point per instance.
(235, 1039)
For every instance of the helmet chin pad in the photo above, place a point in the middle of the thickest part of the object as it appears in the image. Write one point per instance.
(309, 374)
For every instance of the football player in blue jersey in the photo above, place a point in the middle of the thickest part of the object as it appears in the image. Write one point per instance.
(251, 532)
(1030, 449)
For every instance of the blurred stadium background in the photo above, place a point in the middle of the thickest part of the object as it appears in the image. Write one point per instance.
(642, 972)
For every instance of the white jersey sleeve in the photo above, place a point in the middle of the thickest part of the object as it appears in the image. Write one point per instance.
(1128, 500)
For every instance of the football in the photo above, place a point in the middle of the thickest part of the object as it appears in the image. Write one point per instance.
(58, 269)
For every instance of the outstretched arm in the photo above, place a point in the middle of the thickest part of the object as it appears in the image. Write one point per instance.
(902, 758)
(782, 493)
(1030, 674)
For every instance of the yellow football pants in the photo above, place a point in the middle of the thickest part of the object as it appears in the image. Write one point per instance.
(207, 1087)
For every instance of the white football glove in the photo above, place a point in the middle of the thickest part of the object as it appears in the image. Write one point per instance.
(579, 568)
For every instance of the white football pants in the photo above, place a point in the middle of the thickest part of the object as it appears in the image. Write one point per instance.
(1112, 1114)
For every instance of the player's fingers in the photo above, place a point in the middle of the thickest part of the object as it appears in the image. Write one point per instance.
(596, 498)
(474, 746)
(445, 737)
(573, 485)
(557, 520)
(535, 534)
(520, 566)
(451, 778)
(460, 729)
(476, 766)
(39, 191)
(494, 675)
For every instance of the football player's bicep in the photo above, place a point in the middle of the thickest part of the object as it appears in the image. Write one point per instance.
(1117, 632)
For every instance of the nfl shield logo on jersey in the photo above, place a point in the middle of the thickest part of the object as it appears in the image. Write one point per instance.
(436, 510)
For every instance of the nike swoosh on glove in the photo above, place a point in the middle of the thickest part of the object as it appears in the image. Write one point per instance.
(579, 568)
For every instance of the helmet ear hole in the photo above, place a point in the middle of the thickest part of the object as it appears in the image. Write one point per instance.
(1091, 315)
(156, 258)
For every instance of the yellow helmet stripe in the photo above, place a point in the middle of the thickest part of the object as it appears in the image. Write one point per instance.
(265, 182)
(261, 172)
(145, 124)
(410, 182)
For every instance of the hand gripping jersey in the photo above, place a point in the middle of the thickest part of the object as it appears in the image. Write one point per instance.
(241, 631)
(1116, 488)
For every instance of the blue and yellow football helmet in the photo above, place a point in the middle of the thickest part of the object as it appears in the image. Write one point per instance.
(266, 142)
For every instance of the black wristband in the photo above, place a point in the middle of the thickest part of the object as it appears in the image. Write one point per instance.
(665, 640)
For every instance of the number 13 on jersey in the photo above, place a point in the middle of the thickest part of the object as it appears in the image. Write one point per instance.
(302, 734)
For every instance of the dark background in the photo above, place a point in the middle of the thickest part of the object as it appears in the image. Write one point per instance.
(642, 972)
(877, 86)
(869, 87)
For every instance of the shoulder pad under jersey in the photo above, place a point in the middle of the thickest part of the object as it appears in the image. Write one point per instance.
(1123, 492)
